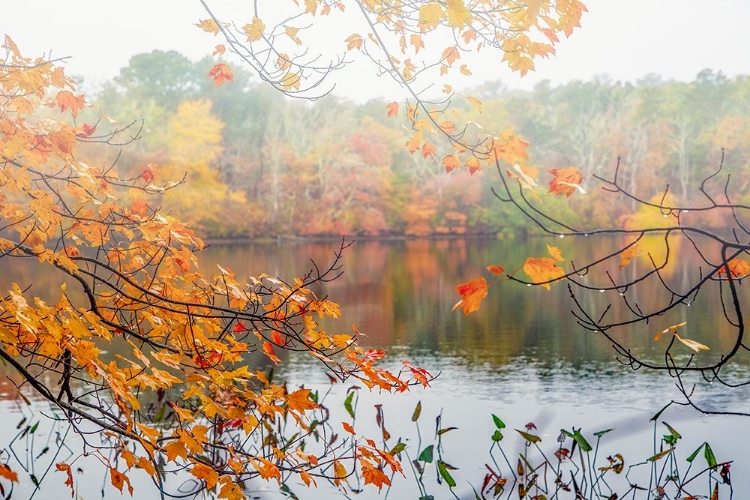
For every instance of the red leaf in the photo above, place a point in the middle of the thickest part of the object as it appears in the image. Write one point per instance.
(221, 73)
(392, 109)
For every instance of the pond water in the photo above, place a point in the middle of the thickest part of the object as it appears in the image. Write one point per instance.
(521, 357)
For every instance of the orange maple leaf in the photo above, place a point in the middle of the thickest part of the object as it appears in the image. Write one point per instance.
(543, 270)
(428, 149)
(373, 475)
(205, 473)
(221, 73)
(451, 55)
(67, 100)
(300, 401)
(354, 42)
(472, 293)
(209, 26)
(450, 162)
(738, 267)
(392, 109)
(566, 181)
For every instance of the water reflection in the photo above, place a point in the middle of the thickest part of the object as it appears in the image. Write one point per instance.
(522, 355)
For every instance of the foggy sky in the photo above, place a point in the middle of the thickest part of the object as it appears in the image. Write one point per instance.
(626, 39)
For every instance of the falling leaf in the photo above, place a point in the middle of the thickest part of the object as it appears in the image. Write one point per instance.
(221, 73)
(566, 181)
(543, 270)
(472, 294)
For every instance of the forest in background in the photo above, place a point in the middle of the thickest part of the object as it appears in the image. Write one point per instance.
(257, 164)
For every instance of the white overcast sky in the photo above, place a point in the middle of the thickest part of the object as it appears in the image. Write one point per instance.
(626, 39)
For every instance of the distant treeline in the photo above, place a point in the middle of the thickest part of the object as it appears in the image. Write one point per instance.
(257, 164)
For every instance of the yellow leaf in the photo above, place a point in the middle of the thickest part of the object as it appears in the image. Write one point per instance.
(229, 489)
(290, 81)
(458, 15)
(465, 70)
(254, 30)
(692, 344)
(475, 103)
(209, 26)
(291, 32)
(668, 329)
(542, 270)
(450, 162)
(430, 15)
(555, 253)
(627, 255)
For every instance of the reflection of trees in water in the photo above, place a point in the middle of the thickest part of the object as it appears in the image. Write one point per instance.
(400, 293)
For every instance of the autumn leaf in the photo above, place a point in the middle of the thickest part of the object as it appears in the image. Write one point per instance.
(472, 293)
(450, 162)
(451, 55)
(268, 351)
(221, 73)
(118, 479)
(205, 473)
(428, 149)
(348, 428)
(209, 26)
(62, 467)
(692, 344)
(66, 100)
(300, 401)
(373, 475)
(219, 50)
(430, 15)
(668, 329)
(229, 489)
(566, 181)
(738, 267)
(291, 32)
(458, 15)
(473, 165)
(542, 270)
(254, 30)
(354, 42)
(628, 254)
(392, 109)
(555, 253)
(496, 270)
(9, 474)
(475, 103)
